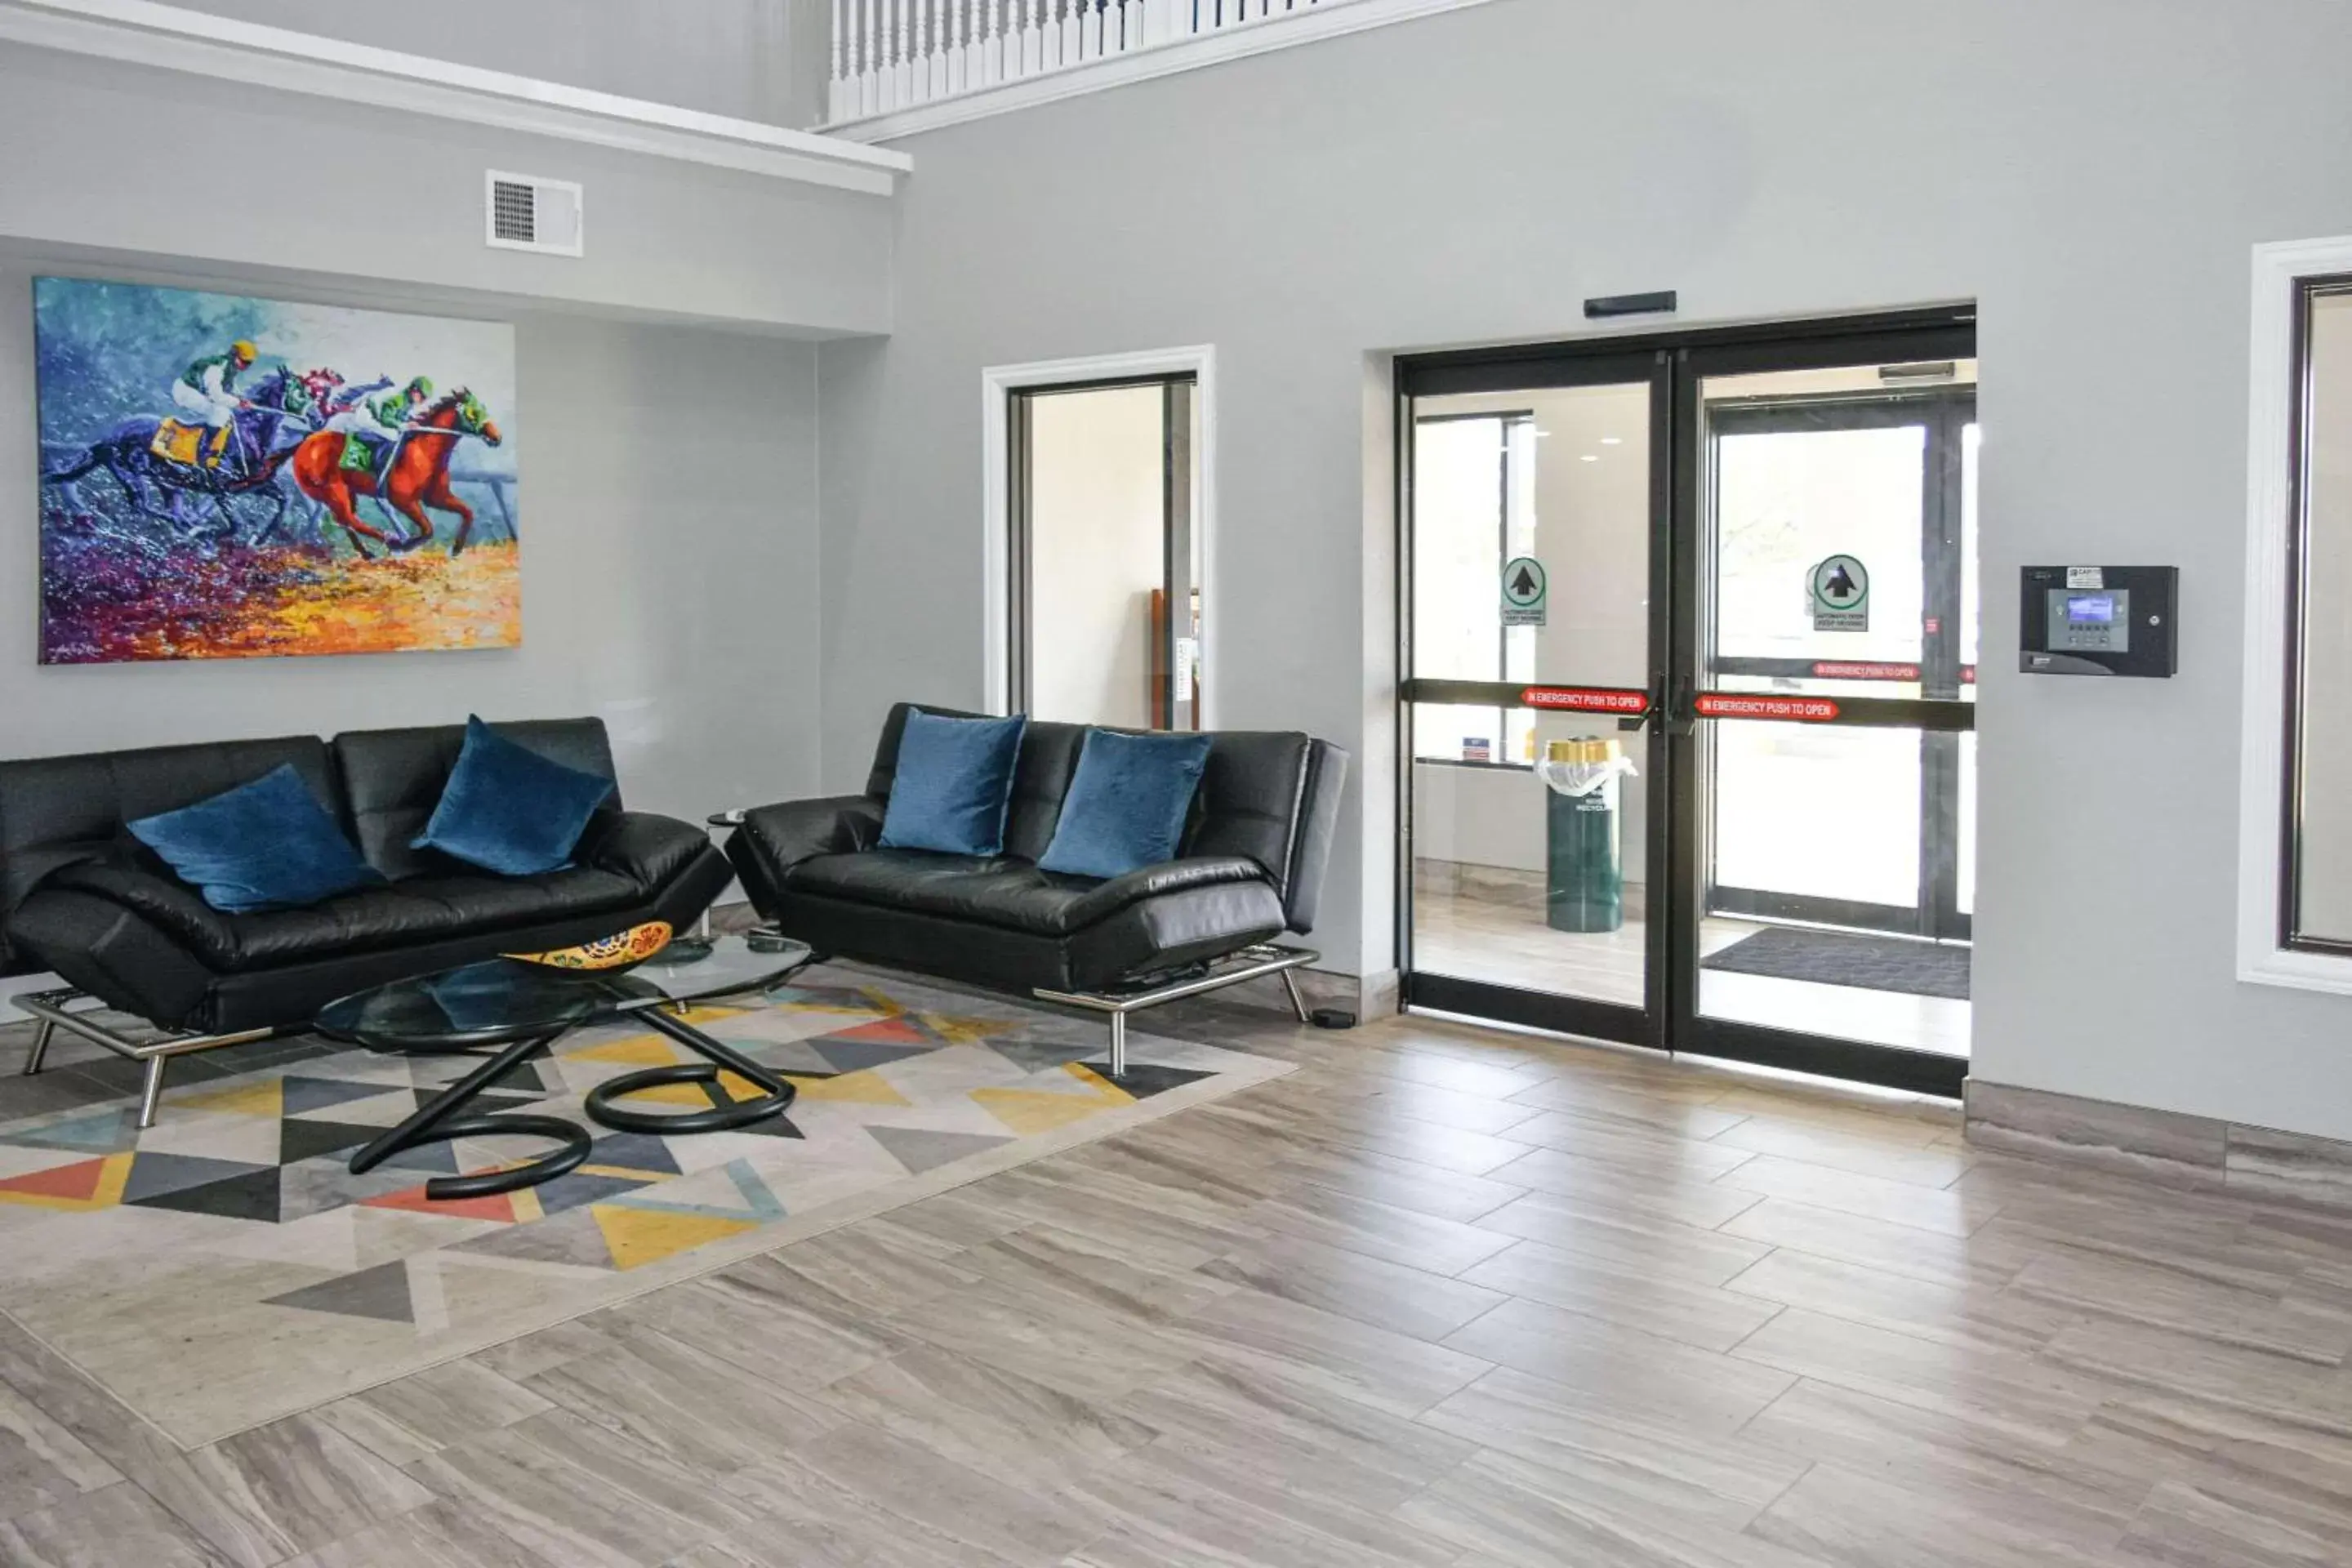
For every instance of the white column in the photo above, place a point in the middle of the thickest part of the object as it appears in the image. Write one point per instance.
(991, 46)
(862, 39)
(835, 87)
(1033, 42)
(934, 50)
(903, 70)
(1165, 21)
(944, 50)
(1131, 26)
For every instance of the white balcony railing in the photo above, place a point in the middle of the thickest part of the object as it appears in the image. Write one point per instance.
(894, 55)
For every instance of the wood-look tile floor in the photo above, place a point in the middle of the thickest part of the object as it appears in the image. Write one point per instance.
(1444, 1297)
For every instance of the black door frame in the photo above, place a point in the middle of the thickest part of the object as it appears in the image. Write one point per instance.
(1606, 363)
(1179, 389)
(1673, 364)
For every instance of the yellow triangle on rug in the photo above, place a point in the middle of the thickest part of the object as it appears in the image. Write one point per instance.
(866, 1087)
(640, 1237)
(636, 1051)
(266, 1098)
(1032, 1110)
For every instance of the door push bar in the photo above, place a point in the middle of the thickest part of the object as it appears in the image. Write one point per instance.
(1634, 708)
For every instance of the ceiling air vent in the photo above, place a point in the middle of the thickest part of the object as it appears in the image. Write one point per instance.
(526, 213)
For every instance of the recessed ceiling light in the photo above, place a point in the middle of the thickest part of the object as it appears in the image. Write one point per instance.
(1591, 457)
(1612, 441)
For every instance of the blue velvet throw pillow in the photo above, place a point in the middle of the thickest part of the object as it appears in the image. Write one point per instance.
(510, 810)
(267, 844)
(1126, 804)
(953, 783)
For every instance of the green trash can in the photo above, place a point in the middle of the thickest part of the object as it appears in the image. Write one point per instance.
(1585, 884)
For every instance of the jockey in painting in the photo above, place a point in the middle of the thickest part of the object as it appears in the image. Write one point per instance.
(206, 395)
(342, 406)
(370, 449)
(393, 413)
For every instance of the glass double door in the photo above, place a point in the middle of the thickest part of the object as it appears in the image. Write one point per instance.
(1690, 644)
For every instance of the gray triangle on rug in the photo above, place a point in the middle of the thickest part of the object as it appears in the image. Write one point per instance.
(155, 1175)
(857, 1055)
(304, 1094)
(1044, 1056)
(381, 1292)
(921, 1149)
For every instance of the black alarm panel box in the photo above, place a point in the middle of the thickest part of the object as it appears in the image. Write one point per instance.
(2099, 620)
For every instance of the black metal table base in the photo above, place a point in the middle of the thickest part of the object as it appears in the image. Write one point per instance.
(720, 1056)
(433, 1124)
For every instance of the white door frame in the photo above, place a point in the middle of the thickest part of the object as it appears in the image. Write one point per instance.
(997, 385)
(2264, 959)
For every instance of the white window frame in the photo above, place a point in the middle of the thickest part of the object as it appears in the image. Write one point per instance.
(997, 386)
(2280, 271)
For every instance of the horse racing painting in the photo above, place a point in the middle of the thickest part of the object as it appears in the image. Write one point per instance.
(226, 478)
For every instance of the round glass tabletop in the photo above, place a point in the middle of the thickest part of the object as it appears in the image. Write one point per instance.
(503, 999)
(699, 969)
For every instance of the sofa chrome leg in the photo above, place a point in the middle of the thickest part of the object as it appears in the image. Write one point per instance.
(152, 1094)
(59, 1010)
(1297, 1003)
(1118, 1045)
(42, 1031)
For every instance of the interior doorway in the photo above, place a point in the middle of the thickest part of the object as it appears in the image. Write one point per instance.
(1689, 631)
(1099, 502)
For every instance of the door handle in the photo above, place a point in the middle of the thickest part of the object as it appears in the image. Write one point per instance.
(1681, 715)
(1656, 708)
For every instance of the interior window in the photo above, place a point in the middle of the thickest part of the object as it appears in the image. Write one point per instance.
(2319, 869)
(1474, 482)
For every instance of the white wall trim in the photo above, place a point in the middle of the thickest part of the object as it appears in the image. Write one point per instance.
(2278, 271)
(1193, 53)
(141, 32)
(997, 385)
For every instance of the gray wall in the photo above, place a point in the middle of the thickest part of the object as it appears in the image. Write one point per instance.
(159, 163)
(2093, 172)
(660, 591)
(756, 59)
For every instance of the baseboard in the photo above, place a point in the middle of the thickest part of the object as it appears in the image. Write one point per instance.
(2195, 1153)
(1367, 996)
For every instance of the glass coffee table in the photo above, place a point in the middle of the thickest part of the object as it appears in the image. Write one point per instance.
(514, 1011)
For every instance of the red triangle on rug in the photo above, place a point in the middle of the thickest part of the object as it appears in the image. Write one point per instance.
(884, 1031)
(77, 1182)
(499, 1206)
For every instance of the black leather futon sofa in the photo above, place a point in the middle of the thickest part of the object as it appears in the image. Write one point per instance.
(81, 897)
(1250, 868)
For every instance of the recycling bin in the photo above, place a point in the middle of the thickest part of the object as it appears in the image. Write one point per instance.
(1585, 880)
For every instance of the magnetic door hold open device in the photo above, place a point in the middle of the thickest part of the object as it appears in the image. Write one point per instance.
(2099, 620)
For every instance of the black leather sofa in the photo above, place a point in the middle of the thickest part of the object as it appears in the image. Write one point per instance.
(81, 897)
(1249, 868)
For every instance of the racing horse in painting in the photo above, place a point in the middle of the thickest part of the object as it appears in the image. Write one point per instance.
(266, 432)
(411, 475)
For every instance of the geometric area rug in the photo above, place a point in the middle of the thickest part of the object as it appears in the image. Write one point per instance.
(224, 1268)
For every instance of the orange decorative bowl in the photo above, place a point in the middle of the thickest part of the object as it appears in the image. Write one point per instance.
(620, 951)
